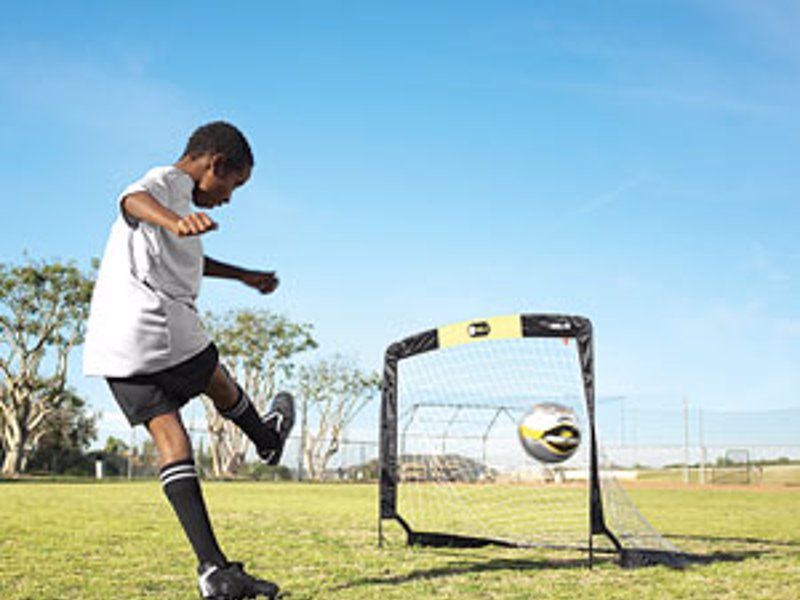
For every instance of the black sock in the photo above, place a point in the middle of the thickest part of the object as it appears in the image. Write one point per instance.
(244, 414)
(180, 483)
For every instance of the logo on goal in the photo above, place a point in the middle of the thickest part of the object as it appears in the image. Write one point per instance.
(479, 329)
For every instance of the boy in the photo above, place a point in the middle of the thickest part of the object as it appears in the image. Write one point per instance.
(145, 337)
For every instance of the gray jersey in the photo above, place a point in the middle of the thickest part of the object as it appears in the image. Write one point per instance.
(143, 316)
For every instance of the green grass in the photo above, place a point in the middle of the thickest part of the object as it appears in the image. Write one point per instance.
(120, 540)
(774, 475)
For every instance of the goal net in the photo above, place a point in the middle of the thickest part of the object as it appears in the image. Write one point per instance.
(453, 471)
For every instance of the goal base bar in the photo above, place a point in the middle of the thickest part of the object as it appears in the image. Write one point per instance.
(628, 558)
(448, 540)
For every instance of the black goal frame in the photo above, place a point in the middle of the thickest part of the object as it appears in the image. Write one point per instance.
(523, 325)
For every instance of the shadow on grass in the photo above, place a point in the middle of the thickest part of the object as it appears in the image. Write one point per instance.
(722, 549)
(488, 565)
(471, 564)
(471, 567)
(736, 540)
(689, 559)
(748, 547)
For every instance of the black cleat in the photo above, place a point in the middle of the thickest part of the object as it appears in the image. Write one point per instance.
(231, 582)
(280, 420)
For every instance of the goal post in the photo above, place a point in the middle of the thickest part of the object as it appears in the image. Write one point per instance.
(452, 471)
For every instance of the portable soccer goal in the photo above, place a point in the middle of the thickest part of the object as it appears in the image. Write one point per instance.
(453, 472)
(734, 468)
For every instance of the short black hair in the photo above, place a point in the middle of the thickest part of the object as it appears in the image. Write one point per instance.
(223, 138)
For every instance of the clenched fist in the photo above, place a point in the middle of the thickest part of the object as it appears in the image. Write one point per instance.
(194, 224)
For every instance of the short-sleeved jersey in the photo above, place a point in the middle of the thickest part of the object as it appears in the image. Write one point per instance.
(143, 316)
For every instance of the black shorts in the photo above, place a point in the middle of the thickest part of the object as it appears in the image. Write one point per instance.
(143, 397)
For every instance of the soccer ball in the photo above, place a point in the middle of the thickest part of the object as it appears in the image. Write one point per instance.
(550, 432)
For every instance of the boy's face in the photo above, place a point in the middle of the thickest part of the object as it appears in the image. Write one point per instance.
(215, 186)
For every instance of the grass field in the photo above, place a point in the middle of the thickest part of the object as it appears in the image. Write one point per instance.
(120, 541)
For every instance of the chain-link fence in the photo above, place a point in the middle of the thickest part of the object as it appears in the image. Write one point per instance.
(682, 444)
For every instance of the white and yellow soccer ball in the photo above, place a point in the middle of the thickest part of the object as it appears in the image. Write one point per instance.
(550, 432)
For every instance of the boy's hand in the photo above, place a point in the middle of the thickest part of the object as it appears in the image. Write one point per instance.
(264, 281)
(194, 224)
(142, 206)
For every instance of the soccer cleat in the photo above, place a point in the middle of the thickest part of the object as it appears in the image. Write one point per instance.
(231, 582)
(280, 420)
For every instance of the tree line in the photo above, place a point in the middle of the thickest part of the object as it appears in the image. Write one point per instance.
(45, 425)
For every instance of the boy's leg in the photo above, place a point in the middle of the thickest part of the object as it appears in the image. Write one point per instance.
(182, 487)
(170, 437)
(269, 433)
(218, 579)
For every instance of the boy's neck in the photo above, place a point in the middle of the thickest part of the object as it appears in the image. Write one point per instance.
(194, 167)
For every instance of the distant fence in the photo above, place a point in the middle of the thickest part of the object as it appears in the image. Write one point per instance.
(666, 455)
(696, 445)
(684, 434)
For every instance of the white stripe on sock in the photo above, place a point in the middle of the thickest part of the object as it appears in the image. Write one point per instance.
(171, 471)
(238, 409)
(165, 481)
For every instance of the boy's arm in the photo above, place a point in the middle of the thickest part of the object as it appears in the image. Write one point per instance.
(143, 207)
(264, 281)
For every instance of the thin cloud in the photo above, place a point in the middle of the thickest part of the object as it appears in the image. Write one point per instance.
(787, 327)
(770, 24)
(606, 199)
(684, 95)
(109, 98)
(764, 265)
(621, 66)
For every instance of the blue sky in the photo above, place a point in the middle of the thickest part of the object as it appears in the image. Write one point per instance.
(421, 163)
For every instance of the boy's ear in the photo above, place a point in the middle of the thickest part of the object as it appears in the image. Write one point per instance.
(219, 164)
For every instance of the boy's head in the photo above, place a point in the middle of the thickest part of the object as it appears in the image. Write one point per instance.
(220, 159)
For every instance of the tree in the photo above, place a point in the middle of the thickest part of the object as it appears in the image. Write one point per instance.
(66, 435)
(337, 390)
(146, 459)
(117, 457)
(43, 310)
(258, 348)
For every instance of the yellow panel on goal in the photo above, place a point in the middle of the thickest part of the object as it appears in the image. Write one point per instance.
(495, 328)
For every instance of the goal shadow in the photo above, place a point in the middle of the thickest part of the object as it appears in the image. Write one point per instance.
(471, 566)
(733, 548)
